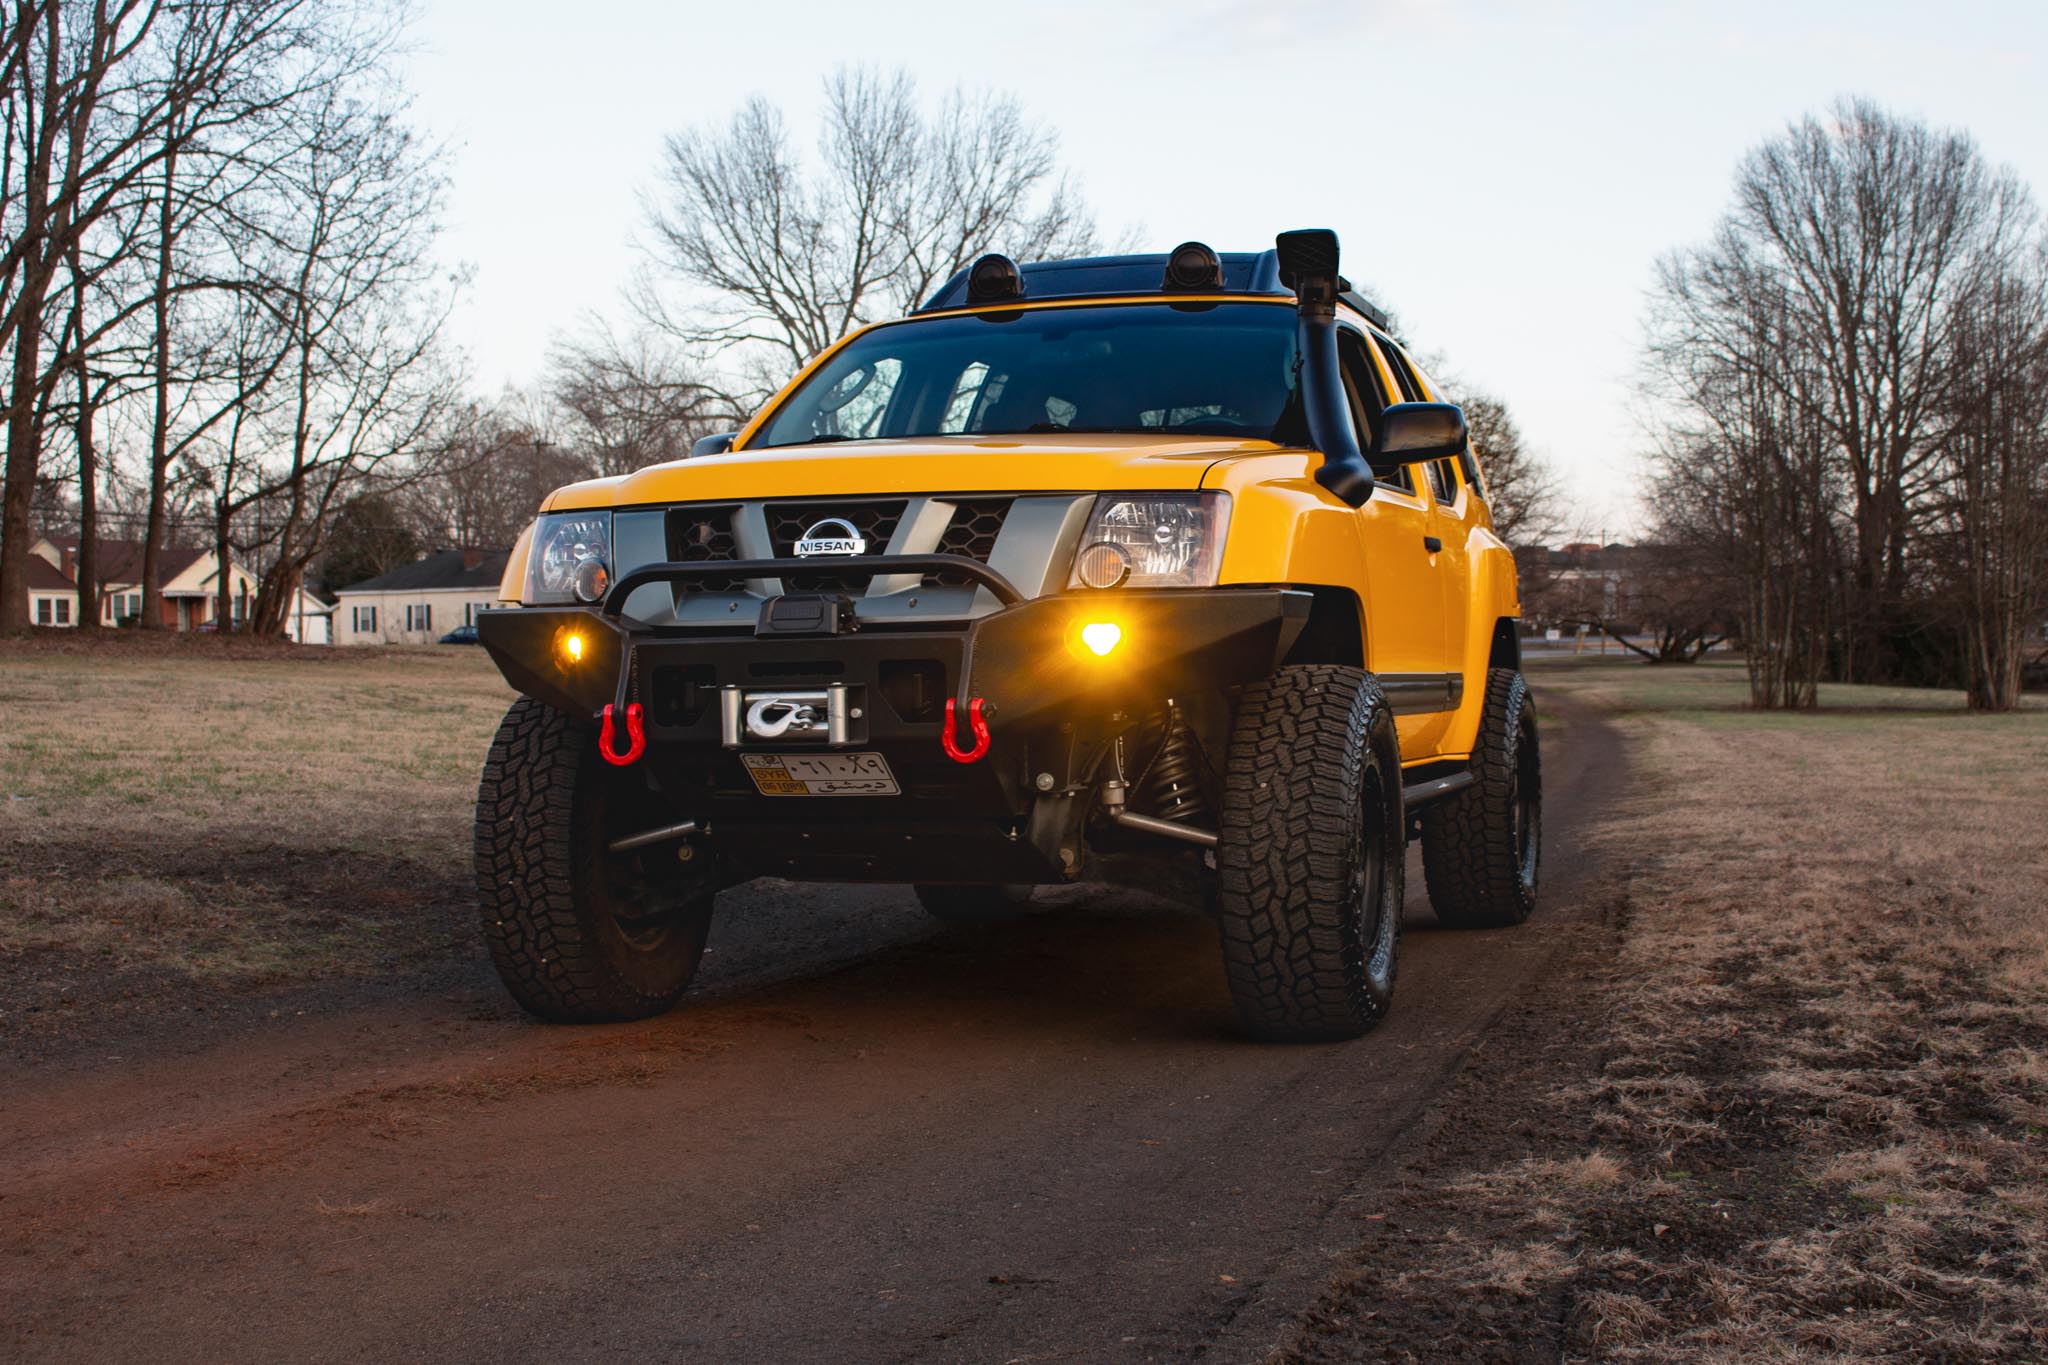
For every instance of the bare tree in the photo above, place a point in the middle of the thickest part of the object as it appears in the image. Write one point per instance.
(1744, 472)
(1521, 489)
(1869, 236)
(1811, 365)
(94, 96)
(776, 259)
(627, 402)
(484, 478)
(1991, 530)
(356, 303)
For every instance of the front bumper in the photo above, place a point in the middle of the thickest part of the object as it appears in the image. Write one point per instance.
(951, 820)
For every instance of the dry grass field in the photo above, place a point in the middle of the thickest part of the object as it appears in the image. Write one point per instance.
(205, 815)
(1793, 1103)
(1784, 1098)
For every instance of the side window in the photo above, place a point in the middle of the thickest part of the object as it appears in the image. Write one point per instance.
(1443, 474)
(1443, 481)
(1368, 398)
(1404, 372)
(1361, 386)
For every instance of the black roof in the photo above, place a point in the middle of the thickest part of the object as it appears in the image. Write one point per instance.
(442, 569)
(1244, 272)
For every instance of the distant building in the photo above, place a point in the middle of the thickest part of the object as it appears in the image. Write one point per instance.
(420, 602)
(1582, 582)
(190, 581)
(310, 619)
(191, 587)
(52, 597)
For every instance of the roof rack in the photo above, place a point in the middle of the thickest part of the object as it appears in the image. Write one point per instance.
(1254, 273)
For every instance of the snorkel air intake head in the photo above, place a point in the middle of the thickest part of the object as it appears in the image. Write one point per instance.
(1308, 265)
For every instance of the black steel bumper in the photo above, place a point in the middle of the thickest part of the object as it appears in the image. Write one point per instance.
(951, 819)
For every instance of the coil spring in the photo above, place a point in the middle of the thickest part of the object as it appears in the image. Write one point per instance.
(1173, 781)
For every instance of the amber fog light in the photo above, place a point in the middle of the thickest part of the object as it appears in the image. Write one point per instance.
(1101, 637)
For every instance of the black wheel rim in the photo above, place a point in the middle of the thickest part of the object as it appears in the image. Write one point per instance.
(642, 918)
(1526, 804)
(1369, 877)
(645, 893)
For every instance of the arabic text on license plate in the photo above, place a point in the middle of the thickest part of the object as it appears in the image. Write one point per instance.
(821, 774)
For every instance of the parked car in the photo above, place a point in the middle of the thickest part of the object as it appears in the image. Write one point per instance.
(461, 635)
(1171, 569)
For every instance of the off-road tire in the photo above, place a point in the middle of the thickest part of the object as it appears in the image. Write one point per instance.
(578, 934)
(1310, 855)
(1482, 847)
(973, 904)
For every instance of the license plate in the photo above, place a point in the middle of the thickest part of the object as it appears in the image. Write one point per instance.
(821, 774)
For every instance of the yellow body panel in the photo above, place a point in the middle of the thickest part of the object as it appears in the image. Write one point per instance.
(1053, 463)
(1420, 611)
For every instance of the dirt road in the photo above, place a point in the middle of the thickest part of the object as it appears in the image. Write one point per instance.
(865, 1138)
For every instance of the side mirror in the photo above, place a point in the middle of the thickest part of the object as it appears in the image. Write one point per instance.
(1411, 433)
(717, 444)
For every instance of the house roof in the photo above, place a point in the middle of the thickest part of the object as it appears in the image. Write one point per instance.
(120, 561)
(443, 569)
(44, 576)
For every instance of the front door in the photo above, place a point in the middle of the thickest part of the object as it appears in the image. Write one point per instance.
(1405, 641)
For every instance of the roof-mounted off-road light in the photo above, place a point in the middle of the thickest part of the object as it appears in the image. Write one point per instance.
(994, 279)
(1193, 267)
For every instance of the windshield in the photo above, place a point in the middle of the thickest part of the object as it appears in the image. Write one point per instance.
(1212, 369)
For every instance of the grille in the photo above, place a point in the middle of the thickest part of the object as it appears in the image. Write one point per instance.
(875, 522)
(699, 535)
(971, 532)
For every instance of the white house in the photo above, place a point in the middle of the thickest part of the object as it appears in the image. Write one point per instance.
(420, 602)
(190, 578)
(52, 598)
(191, 585)
(309, 620)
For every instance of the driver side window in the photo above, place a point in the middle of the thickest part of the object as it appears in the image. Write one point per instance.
(1368, 400)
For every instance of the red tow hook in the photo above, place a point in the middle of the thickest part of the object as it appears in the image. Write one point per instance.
(974, 721)
(636, 733)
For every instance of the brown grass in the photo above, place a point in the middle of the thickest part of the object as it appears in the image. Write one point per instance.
(232, 813)
(1814, 1127)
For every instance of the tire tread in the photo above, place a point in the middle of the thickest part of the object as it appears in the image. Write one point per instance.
(1469, 860)
(1295, 968)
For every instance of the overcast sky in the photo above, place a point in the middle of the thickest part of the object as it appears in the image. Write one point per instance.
(1503, 175)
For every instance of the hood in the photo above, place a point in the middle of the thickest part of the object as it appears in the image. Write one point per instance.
(1078, 462)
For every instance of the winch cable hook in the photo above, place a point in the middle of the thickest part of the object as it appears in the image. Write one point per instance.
(976, 723)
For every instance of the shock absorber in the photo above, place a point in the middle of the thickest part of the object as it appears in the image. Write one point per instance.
(1172, 785)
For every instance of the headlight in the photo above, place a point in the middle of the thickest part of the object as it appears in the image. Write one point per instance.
(570, 559)
(1153, 540)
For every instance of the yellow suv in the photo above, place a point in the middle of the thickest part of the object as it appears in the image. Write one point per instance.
(1173, 570)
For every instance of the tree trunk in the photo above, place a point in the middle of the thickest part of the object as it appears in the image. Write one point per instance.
(224, 610)
(24, 432)
(160, 428)
(88, 565)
